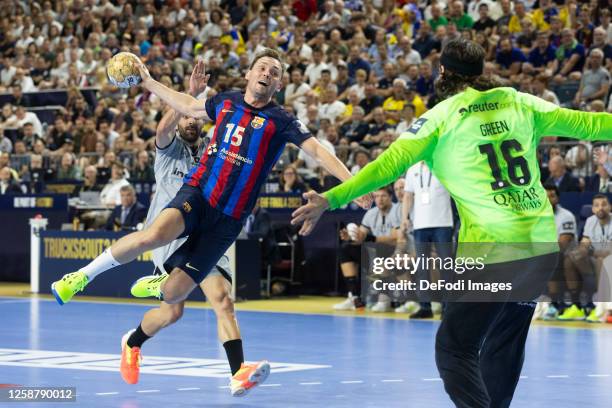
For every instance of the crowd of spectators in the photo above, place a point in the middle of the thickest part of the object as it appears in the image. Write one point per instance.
(358, 73)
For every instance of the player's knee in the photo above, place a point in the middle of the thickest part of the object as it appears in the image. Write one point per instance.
(224, 307)
(172, 294)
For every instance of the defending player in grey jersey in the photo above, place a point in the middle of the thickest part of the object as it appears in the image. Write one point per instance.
(175, 156)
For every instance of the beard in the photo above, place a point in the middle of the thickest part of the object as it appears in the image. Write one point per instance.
(190, 134)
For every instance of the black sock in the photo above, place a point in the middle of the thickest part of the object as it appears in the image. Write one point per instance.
(235, 355)
(137, 338)
(352, 285)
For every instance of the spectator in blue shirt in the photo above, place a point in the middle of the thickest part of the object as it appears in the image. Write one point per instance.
(343, 81)
(509, 59)
(542, 57)
(584, 33)
(143, 42)
(356, 62)
(425, 42)
(425, 83)
(379, 40)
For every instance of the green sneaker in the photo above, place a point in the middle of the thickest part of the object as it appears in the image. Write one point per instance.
(149, 286)
(65, 288)
(572, 313)
(592, 317)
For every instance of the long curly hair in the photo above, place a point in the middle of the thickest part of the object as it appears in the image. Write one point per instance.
(450, 83)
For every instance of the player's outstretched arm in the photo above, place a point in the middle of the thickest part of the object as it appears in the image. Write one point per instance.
(392, 163)
(551, 120)
(329, 161)
(333, 165)
(387, 168)
(167, 124)
(578, 125)
(183, 103)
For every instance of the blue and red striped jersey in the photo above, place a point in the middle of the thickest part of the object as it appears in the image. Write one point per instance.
(246, 144)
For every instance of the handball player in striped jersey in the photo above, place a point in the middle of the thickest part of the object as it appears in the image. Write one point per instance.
(218, 194)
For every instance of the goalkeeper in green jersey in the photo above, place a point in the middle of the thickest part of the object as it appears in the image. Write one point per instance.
(481, 143)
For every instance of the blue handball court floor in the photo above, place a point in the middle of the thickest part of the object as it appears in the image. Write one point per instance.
(317, 361)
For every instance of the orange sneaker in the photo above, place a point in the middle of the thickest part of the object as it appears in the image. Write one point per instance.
(130, 360)
(248, 377)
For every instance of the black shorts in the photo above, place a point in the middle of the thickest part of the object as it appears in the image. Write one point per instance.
(522, 280)
(210, 233)
(350, 253)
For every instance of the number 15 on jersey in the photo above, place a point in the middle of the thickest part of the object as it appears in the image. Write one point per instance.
(234, 133)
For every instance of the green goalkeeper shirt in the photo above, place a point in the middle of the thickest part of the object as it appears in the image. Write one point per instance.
(482, 146)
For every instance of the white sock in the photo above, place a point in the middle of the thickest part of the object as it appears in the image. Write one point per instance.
(102, 263)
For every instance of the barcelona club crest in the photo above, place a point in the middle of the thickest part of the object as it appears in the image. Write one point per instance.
(257, 122)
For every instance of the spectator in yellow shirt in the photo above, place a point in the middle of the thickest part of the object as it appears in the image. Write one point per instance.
(232, 37)
(541, 17)
(394, 104)
(519, 14)
(323, 83)
(415, 99)
(353, 101)
(401, 95)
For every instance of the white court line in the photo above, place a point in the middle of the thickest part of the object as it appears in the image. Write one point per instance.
(15, 301)
(110, 362)
(343, 382)
(523, 377)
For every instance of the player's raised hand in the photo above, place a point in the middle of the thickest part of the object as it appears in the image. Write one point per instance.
(365, 201)
(144, 72)
(199, 78)
(308, 215)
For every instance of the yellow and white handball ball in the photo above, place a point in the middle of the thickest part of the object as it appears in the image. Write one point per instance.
(122, 70)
